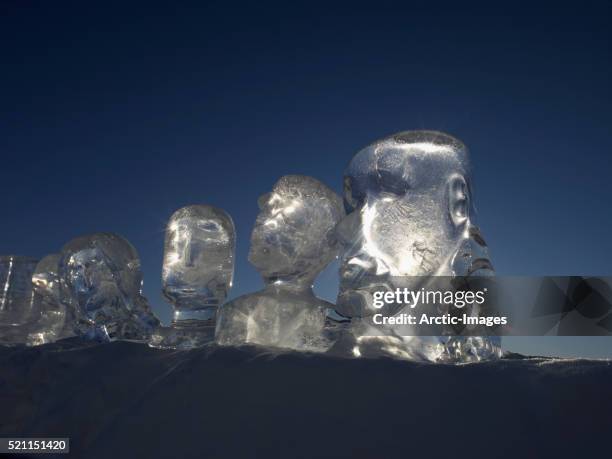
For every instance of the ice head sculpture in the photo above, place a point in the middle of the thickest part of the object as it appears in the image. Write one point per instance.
(291, 243)
(102, 282)
(410, 215)
(198, 261)
(197, 273)
(54, 320)
(16, 308)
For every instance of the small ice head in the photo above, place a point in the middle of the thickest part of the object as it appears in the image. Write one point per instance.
(198, 257)
(103, 282)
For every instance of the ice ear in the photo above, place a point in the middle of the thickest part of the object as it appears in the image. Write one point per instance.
(458, 200)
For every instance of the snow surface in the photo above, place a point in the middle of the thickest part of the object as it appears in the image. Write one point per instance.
(128, 400)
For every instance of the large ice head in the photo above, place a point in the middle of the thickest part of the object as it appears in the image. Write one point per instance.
(198, 257)
(293, 237)
(410, 213)
(103, 282)
(16, 308)
(410, 217)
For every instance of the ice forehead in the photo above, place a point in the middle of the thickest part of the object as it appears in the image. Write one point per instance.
(418, 147)
(107, 247)
(107, 241)
(202, 212)
(392, 153)
(208, 225)
(303, 185)
(195, 222)
(309, 189)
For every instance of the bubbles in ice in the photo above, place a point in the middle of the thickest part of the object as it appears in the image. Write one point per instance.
(292, 241)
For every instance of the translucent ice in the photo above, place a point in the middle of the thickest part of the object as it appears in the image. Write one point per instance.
(16, 308)
(197, 273)
(102, 282)
(292, 241)
(410, 216)
(54, 320)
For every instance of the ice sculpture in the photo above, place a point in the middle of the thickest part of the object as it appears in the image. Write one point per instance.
(292, 241)
(410, 214)
(54, 321)
(197, 274)
(16, 308)
(102, 282)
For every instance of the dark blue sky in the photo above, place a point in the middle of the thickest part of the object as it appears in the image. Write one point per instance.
(113, 116)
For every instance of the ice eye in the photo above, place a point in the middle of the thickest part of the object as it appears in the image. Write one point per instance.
(393, 185)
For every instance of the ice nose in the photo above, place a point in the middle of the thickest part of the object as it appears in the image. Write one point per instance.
(188, 255)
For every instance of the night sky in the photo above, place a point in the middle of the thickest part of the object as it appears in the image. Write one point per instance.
(113, 116)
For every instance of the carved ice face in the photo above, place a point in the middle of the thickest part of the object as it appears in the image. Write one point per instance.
(293, 236)
(198, 256)
(102, 276)
(409, 204)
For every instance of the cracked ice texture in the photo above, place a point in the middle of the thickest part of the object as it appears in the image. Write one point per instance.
(16, 308)
(102, 283)
(410, 215)
(292, 241)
